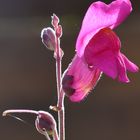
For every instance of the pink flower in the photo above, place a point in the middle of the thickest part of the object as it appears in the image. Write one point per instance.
(98, 50)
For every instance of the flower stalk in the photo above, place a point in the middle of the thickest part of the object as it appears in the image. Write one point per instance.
(58, 54)
(60, 94)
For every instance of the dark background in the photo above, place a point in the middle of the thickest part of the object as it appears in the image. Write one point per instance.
(27, 73)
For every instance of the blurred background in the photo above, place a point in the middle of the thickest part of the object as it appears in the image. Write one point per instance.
(27, 73)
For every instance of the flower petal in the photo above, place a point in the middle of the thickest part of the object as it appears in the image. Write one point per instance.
(101, 52)
(122, 76)
(79, 79)
(130, 66)
(100, 15)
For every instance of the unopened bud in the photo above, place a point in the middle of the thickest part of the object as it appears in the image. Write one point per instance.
(55, 21)
(45, 123)
(48, 38)
(59, 31)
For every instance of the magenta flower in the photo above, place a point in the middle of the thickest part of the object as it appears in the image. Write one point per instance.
(98, 50)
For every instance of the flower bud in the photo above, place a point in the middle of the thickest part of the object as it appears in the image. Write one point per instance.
(55, 21)
(48, 38)
(59, 31)
(45, 123)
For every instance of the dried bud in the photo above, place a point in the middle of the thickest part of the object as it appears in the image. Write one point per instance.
(45, 123)
(48, 38)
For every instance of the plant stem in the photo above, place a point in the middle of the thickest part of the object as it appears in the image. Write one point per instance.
(61, 116)
(55, 135)
(47, 136)
(60, 93)
(5, 113)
